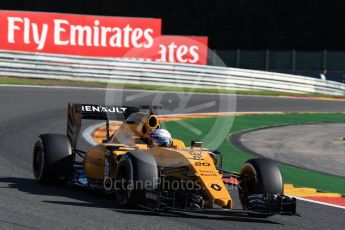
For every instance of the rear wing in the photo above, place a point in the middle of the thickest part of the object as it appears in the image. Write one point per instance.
(99, 112)
(77, 112)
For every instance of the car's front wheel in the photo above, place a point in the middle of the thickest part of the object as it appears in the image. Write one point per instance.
(137, 172)
(259, 176)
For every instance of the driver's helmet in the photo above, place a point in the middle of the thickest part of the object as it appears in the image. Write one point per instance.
(160, 137)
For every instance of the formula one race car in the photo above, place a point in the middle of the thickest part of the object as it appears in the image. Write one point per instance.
(145, 167)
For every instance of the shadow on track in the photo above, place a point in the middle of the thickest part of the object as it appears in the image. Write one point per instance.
(98, 199)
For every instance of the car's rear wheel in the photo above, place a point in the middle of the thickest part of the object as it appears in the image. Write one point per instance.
(52, 158)
(137, 172)
(259, 176)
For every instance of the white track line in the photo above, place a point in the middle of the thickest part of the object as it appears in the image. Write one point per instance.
(320, 202)
(61, 87)
(158, 91)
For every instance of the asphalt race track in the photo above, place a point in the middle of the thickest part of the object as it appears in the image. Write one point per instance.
(27, 112)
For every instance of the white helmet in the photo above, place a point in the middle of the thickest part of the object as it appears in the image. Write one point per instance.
(160, 137)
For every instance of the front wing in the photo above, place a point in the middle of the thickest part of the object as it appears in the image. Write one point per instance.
(257, 205)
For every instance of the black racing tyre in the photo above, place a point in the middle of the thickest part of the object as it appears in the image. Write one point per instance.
(260, 176)
(136, 172)
(52, 158)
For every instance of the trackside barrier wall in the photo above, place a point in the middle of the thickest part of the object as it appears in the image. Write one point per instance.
(50, 66)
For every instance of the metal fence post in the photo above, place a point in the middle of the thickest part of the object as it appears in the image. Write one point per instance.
(324, 61)
(238, 53)
(214, 57)
(267, 61)
(293, 60)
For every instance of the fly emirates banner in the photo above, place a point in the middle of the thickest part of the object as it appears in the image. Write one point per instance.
(97, 36)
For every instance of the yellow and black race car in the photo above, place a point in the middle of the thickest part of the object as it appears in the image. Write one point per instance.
(156, 175)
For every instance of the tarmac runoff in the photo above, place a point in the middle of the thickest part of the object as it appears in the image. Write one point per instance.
(318, 147)
(98, 133)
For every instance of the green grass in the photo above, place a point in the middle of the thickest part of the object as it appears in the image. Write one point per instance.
(234, 158)
(49, 82)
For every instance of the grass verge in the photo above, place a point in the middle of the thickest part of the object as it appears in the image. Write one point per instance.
(234, 158)
(51, 82)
